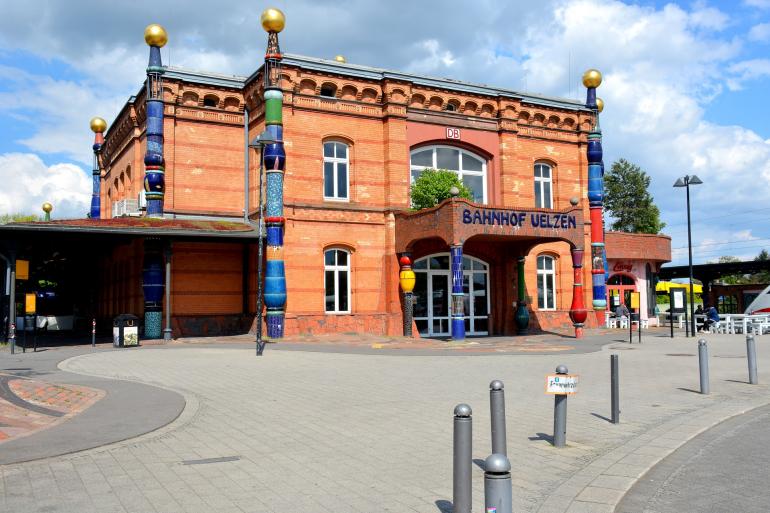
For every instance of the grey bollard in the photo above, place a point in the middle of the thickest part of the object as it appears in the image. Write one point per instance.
(498, 493)
(751, 353)
(703, 365)
(560, 414)
(461, 472)
(615, 388)
(497, 410)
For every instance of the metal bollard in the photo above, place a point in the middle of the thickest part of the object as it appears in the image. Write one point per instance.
(703, 365)
(751, 353)
(615, 388)
(498, 493)
(497, 411)
(461, 472)
(12, 337)
(560, 414)
(93, 333)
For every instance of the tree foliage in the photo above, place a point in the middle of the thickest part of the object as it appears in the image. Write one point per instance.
(18, 218)
(432, 187)
(628, 199)
(760, 277)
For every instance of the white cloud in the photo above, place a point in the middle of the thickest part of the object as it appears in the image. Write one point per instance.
(760, 32)
(28, 183)
(761, 4)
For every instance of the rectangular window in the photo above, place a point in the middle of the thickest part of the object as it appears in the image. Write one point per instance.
(337, 281)
(336, 179)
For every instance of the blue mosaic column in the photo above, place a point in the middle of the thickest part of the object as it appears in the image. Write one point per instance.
(98, 126)
(274, 157)
(458, 298)
(592, 79)
(152, 287)
(154, 164)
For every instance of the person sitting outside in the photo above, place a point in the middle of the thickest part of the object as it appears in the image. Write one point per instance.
(712, 319)
(622, 311)
(699, 310)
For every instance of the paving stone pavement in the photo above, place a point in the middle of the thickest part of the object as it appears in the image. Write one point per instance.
(318, 432)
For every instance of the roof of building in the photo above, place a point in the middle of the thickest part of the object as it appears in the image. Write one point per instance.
(145, 226)
(372, 73)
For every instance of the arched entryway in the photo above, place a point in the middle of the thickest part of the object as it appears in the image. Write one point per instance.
(619, 287)
(433, 292)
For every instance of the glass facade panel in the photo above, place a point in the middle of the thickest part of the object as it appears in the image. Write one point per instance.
(342, 180)
(329, 257)
(480, 294)
(342, 151)
(328, 179)
(328, 149)
(448, 158)
(440, 285)
(439, 262)
(471, 163)
(330, 291)
(476, 184)
(420, 295)
(342, 257)
(423, 158)
(342, 283)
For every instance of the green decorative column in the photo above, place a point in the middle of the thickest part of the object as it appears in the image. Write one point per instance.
(522, 314)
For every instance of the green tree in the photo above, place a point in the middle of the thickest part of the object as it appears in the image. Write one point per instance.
(18, 218)
(432, 187)
(732, 279)
(628, 199)
(761, 276)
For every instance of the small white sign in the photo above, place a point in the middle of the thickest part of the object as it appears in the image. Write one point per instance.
(452, 133)
(565, 384)
(678, 299)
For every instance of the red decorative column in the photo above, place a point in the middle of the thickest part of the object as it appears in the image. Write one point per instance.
(577, 311)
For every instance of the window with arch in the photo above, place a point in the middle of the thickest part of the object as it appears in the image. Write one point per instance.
(336, 166)
(469, 167)
(546, 282)
(337, 280)
(543, 186)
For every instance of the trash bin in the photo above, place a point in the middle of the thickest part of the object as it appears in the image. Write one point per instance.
(125, 331)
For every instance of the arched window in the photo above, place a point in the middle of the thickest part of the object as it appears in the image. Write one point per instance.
(337, 280)
(210, 101)
(336, 167)
(470, 168)
(543, 181)
(329, 90)
(546, 283)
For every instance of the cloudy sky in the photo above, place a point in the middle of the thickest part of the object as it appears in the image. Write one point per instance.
(684, 83)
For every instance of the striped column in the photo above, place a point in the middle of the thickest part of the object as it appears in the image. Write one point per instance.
(577, 311)
(458, 298)
(154, 165)
(98, 126)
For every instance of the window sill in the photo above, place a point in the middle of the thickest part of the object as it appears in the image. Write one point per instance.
(337, 200)
(337, 313)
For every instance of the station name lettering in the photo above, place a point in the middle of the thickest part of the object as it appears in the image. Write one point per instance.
(505, 218)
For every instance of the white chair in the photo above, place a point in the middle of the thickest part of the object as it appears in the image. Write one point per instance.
(623, 322)
(612, 322)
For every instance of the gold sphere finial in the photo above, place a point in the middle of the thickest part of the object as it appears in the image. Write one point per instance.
(47, 207)
(272, 20)
(155, 35)
(98, 125)
(340, 58)
(592, 78)
(599, 104)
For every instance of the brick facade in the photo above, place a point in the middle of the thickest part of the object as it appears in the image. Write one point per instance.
(381, 117)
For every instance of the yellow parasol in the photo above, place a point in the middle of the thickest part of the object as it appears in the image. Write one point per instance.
(666, 286)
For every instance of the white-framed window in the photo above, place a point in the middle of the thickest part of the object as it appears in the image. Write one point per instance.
(546, 283)
(543, 183)
(336, 167)
(470, 168)
(337, 280)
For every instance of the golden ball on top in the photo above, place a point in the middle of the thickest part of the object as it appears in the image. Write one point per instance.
(599, 104)
(592, 78)
(47, 207)
(272, 20)
(155, 35)
(98, 125)
(340, 58)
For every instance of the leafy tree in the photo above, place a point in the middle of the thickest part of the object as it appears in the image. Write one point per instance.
(732, 279)
(432, 187)
(629, 201)
(761, 276)
(18, 218)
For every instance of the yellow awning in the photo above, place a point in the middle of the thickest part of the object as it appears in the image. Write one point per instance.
(666, 286)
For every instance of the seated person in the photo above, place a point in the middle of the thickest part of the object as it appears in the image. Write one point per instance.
(622, 311)
(699, 310)
(712, 319)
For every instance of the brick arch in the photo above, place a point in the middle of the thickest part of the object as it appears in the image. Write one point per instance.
(487, 110)
(211, 99)
(524, 116)
(417, 101)
(435, 103)
(232, 103)
(568, 123)
(330, 86)
(348, 92)
(553, 121)
(369, 95)
(347, 246)
(398, 96)
(470, 108)
(307, 86)
(190, 98)
(453, 105)
(538, 119)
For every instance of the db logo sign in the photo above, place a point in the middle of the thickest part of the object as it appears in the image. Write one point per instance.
(452, 133)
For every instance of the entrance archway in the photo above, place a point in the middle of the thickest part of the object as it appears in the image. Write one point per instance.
(619, 288)
(433, 292)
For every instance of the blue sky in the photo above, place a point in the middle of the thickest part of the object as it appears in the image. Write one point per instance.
(685, 83)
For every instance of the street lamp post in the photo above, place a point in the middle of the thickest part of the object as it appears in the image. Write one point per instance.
(259, 143)
(685, 182)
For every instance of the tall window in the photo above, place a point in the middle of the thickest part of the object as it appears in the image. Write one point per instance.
(337, 280)
(470, 168)
(335, 171)
(546, 283)
(543, 181)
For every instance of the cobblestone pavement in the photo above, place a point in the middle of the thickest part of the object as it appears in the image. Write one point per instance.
(315, 432)
(29, 405)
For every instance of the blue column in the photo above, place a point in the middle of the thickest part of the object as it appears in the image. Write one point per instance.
(458, 303)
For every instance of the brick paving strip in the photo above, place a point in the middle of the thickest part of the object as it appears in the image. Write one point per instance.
(28, 405)
(308, 431)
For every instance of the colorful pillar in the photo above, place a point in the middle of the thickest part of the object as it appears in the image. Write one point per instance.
(273, 22)
(592, 79)
(458, 297)
(98, 126)
(522, 314)
(577, 311)
(154, 165)
(407, 279)
(152, 287)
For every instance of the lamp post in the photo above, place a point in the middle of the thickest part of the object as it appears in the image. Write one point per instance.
(259, 143)
(685, 182)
